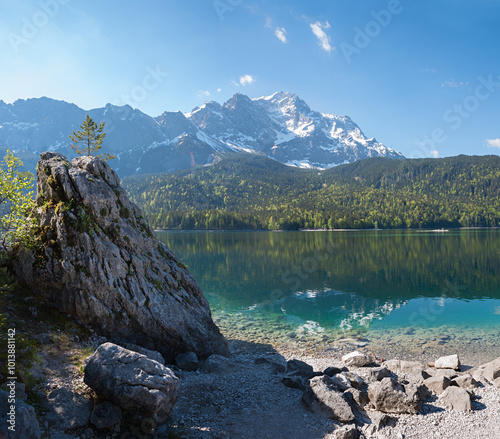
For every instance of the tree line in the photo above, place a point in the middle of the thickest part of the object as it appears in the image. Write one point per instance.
(261, 194)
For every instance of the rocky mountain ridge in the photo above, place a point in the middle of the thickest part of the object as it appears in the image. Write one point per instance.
(281, 126)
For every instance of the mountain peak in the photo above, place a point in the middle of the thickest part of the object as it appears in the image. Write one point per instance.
(281, 126)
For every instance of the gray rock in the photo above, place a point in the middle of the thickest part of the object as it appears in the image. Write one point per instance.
(438, 384)
(417, 377)
(448, 362)
(357, 396)
(378, 373)
(355, 380)
(418, 392)
(187, 361)
(401, 366)
(22, 419)
(217, 364)
(132, 381)
(388, 396)
(68, 410)
(356, 359)
(491, 370)
(456, 398)
(346, 432)
(103, 265)
(341, 382)
(154, 355)
(106, 416)
(323, 398)
(465, 381)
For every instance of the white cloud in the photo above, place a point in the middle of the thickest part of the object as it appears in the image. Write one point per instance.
(434, 153)
(318, 29)
(493, 143)
(280, 33)
(454, 84)
(202, 94)
(269, 22)
(219, 90)
(247, 79)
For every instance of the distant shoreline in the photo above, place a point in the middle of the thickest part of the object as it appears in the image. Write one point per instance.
(327, 230)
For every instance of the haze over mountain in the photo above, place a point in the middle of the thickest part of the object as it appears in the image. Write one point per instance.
(280, 126)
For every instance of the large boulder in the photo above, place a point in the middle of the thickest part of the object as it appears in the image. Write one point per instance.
(99, 261)
(389, 396)
(17, 422)
(132, 382)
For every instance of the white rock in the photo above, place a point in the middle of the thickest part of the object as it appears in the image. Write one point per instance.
(356, 359)
(448, 362)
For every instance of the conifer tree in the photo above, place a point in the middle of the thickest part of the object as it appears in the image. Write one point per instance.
(89, 139)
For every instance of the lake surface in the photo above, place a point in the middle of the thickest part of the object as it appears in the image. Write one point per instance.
(426, 290)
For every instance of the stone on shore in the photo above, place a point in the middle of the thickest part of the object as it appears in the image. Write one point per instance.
(465, 381)
(438, 384)
(378, 373)
(101, 263)
(132, 381)
(448, 362)
(456, 398)
(323, 398)
(356, 359)
(491, 370)
(388, 396)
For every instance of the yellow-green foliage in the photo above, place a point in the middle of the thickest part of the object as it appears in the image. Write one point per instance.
(16, 202)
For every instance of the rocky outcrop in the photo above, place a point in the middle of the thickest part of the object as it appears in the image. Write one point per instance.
(132, 382)
(100, 262)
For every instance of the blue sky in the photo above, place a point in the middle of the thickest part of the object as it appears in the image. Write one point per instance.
(423, 77)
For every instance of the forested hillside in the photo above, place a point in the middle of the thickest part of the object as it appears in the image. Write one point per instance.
(258, 193)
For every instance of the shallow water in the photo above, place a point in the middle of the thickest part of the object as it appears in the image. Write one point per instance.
(403, 291)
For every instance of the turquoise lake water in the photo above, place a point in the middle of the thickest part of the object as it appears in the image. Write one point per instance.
(316, 285)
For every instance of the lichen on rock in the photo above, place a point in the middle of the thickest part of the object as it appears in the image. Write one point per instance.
(100, 262)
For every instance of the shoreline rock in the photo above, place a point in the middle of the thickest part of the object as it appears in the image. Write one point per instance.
(99, 261)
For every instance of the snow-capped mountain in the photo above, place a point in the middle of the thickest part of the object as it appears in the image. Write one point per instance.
(281, 126)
